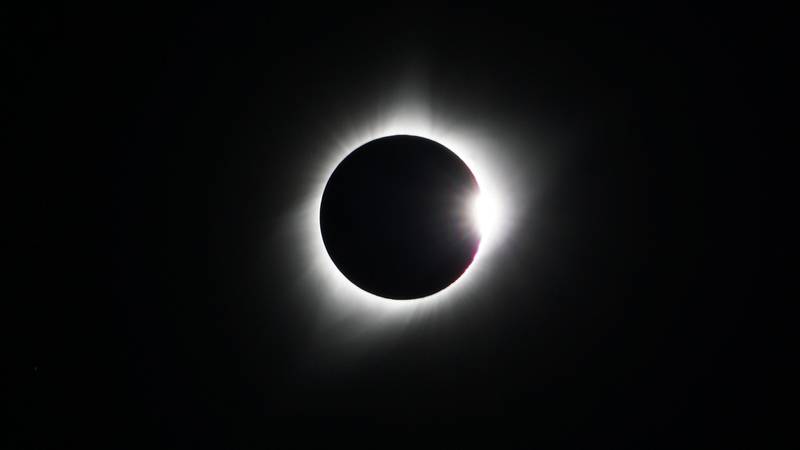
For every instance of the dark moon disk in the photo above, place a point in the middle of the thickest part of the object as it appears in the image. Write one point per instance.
(396, 217)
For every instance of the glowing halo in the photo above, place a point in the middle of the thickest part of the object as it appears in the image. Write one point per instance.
(337, 299)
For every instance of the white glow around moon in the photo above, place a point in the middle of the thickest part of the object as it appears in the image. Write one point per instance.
(485, 215)
(336, 299)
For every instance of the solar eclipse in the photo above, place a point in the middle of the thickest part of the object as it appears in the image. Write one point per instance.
(508, 190)
(530, 226)
(452, 224)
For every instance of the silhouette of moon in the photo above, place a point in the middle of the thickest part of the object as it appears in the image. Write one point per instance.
(396, 217)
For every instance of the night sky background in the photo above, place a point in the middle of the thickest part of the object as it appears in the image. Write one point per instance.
(175, 144)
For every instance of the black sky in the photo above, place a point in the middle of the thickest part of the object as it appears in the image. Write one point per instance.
(184, 138)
